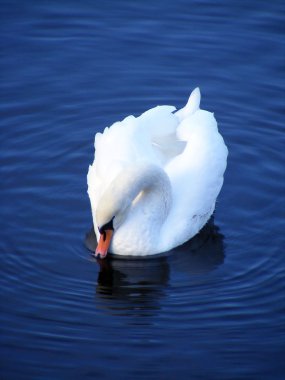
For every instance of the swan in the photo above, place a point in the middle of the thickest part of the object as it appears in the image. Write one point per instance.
(155, 179)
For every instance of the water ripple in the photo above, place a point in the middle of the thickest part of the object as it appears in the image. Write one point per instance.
(68, 72)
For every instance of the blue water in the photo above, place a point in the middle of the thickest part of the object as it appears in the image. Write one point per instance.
(212, 309)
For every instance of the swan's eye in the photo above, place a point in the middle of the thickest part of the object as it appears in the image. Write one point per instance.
(107, 226)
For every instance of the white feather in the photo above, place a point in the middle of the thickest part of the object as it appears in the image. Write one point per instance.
(184, 146)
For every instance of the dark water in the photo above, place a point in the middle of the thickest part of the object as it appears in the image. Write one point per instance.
(212, 309)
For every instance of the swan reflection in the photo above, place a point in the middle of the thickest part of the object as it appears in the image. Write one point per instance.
(128, 284)
(202, 254)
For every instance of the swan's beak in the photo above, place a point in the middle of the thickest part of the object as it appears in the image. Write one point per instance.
(104, 243)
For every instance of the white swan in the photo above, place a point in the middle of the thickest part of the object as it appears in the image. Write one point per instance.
(155, 179)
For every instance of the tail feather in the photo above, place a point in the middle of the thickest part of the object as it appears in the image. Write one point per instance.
(192, 105)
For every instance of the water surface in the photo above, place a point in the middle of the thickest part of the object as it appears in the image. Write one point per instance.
(211, 309)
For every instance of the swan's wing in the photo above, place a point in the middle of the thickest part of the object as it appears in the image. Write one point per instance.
(131, 139)
(165, 139)
(196, 175)
(150, 137)
(158, 132)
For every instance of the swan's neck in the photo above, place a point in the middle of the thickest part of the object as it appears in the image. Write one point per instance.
(140, 199)
(145, 185)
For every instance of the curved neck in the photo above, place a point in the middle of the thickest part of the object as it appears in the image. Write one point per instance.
(138, 195)
(145, 183)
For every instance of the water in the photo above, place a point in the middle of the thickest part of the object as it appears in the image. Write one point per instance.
(212, 309)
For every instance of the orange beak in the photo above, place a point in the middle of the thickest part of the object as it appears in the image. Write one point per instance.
(104, 243)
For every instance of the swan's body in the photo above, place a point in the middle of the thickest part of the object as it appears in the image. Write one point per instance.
(155, 178)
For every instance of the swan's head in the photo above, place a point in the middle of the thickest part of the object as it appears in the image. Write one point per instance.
(110, 213)
(106, 233)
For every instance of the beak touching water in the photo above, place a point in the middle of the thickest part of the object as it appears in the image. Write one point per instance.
(103, 244)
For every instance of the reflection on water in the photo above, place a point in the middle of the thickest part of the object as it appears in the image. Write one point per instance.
(203, 253)
(131, 286)
(128, 284)
(146, 274)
